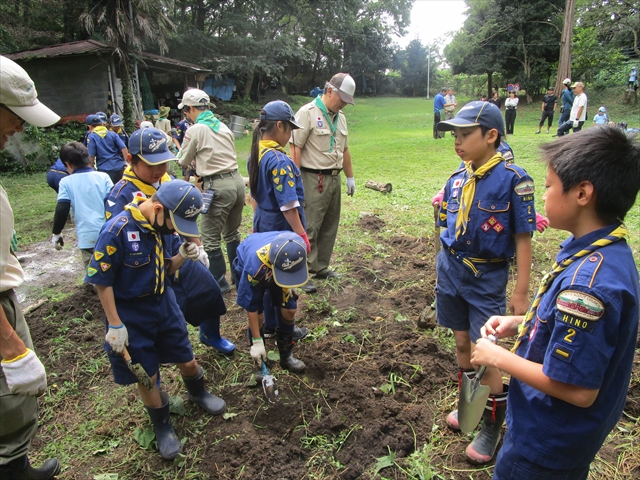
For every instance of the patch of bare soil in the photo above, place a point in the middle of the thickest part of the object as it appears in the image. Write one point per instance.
(333, 421)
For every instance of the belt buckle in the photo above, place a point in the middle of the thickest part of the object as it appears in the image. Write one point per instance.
(334, 172)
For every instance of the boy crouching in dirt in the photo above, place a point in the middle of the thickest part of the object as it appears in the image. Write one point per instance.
(128, 268)
(488, 214)
(574, 354)
(274, 261)
(84, 190)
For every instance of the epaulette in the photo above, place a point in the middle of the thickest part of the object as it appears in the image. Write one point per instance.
(519, 171)
(116, 190)
(118, 224)
(587, 270)
(460, 170)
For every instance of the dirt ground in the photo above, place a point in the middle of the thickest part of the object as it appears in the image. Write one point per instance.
(333, 421)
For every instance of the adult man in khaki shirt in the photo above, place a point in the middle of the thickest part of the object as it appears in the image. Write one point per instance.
(321, 151)
(210, 145)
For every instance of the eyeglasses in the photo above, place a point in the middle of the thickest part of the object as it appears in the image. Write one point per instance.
(22, 121)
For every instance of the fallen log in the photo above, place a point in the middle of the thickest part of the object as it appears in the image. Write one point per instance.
(379, 186)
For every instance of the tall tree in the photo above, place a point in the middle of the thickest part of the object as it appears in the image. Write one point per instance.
(564, 63)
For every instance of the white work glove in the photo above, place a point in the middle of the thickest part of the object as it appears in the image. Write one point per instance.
(25, 375)
(576, 123)
(258, 353)
(351, 186)
(189, 250)
(117, 337)
(57, 241)
(203, 258)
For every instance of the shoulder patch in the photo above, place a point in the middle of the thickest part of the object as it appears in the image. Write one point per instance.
(110, 250)
(580, 304)
(98, 255)
(91, 271)
(525, 188)
(562, 353)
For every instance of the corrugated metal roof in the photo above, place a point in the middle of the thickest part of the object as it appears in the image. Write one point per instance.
(84, 47)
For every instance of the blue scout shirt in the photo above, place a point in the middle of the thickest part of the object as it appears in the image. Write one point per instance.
(438, 103)
(124, 258)
(107, 147)
(86, 190)
(56, 173)
(502, 206)
(279, 183)
(253, 277)
(584, 334)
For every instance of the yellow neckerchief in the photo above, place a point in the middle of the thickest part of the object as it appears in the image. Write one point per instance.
(101, 130)
(159, 253)
(144, 187)
(557, 268)
(469, 191)
(266, 145)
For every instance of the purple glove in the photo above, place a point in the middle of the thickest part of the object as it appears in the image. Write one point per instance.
(437, 199)
(542, 222)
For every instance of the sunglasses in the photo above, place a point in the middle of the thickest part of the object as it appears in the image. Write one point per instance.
(22, 121)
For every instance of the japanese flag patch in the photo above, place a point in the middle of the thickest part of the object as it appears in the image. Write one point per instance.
(133, 236)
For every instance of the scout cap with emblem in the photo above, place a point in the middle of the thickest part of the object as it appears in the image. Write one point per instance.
(115, 120)
(102, 116)
(288, 255)
(279, 110)
(150, 144)
(474, 114)
(184, 203)
(346, 86)
(195, 98)
(18, 93)
(89, 119)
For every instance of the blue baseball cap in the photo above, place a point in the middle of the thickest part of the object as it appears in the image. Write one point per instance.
(288, 256)
(150, 144)
(115, 120)
(90, 119)
(474, 114)
(102, 116)
(184, 202)
(279, 110)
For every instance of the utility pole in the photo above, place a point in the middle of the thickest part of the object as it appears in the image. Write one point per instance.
(428, 69)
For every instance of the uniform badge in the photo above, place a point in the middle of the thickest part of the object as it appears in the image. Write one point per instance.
(111, 203)
(98, 255)
(533, 330)
(580, 304)
(562, 353)
(525, 188)
(492, 224)
(291, 184)
(133, 236)
(289, 167)
(276, 180)
(283, 171)
(319, 122)
(105, 266)
(274, 172)
(135, 246)
(139, 194)
(290, 175)
(91, 271)
(111, 249)
(279, 188)
(107, 214)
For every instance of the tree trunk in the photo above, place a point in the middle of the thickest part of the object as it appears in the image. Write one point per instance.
(246, 91)
(316, 64)
(564, 63)
(489, 87)
(128, 109)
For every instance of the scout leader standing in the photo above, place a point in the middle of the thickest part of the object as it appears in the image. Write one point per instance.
(129, 268)
(211, 146)
(321, 151)
(488, 214)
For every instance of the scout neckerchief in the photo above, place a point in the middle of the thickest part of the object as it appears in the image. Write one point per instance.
(333, 124)
(618, 234)
(145, 188)
(159, 253)
(101, 130)
(208, 118)
(265, 146)
(263, 255)
(469, 191)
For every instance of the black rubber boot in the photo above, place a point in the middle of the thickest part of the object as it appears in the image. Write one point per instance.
(452, 418)
(198, 394)
(232, 247)
(20, 469)
(218, 268)
(168, 442)
(483, 447)
(285, 344)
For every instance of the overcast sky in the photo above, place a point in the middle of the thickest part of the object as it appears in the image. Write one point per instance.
(431, 19)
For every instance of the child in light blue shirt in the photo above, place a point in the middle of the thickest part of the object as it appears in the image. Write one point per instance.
(601, 118)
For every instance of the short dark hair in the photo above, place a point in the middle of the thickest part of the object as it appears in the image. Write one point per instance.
(75, 154)
(444, 89)
(605, 156)
(484, 131)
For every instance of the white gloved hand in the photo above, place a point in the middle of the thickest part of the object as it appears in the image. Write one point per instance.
(351, 186)
(57, 241)
(25, 375)
(117, 337)
(576, 123)
(189, 250)
(203, 258)
(258, 353)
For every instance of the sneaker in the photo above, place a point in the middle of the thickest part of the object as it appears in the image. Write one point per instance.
(539, 132)
(269, 332)
(547, 132)
(309, 287)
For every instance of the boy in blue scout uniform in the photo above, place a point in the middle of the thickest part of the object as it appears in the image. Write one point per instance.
(115, 125)
(84, 193)
(56, 173)
(106, 149)
(197, 292)
(488, 214)
(574, 354)
(274, 261)
(129, 269)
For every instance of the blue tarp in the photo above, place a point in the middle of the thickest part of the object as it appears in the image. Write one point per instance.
(222, 88)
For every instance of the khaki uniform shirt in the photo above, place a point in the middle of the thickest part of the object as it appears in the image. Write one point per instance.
(314, 139)
(213, 152)
(11, 274)
(449, 99)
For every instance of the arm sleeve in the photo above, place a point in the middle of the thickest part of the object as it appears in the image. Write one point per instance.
(189, 146)
(60, 217)
(91, 146)
(300, 135)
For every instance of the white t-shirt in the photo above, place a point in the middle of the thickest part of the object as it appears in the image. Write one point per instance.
(579, 101)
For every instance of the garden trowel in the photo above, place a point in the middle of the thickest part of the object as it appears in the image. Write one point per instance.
(269, 384)
(137, 370)
(473, 398)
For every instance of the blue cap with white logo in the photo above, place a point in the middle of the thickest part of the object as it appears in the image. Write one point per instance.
(150, 144)
(115, 120)
(184, 202)
(288, 256)
(102, 116)
(474, 114)
(279, 110)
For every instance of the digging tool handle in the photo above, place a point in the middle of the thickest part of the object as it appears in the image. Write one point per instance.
(436, 225)
(482, 369)
(137, 370)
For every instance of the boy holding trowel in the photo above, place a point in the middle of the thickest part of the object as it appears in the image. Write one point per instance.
(128, 268)
(574, 354)
(488, 215)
